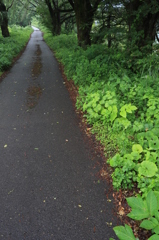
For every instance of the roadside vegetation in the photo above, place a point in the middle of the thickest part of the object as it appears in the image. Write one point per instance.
(10, 47)
(110, 50)
(118, 95)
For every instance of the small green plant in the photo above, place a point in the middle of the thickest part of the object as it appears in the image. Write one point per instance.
(99, 106)
(146, 211)
(125, 173)
(124, 233)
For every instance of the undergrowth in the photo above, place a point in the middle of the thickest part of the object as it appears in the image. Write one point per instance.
(121, 105)
(10, 47)
(119, 96)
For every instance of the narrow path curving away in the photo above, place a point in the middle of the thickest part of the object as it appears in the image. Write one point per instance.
(48, 187)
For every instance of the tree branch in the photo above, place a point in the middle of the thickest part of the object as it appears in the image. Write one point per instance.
(32, 4)
(66, 10)
(71, 3)
(96, 5)
(10, 5)
(157, 37)
(63, 20)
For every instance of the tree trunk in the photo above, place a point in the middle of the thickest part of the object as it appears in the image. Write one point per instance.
(4, 28)
(55, 16)
(84, 20)
(142, 22)
(56, 23)
(4, 23)
(109, 26)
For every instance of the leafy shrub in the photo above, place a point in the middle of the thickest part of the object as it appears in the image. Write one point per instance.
(11, 46)
(119, 98)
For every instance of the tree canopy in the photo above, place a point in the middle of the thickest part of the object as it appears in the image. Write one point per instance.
(131, 22)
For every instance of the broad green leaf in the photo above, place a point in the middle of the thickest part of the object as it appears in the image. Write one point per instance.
(139, 208)
(106, 104)
(147, 169)
(136, 156)
(128, 157)
(154, 144)
(136, 203)
(157, 215)
(137, 214)
(133, 108)
(104, 112)
(137, 148)
(151, 203)
(149, 135)
(157, 196)
(90, 111)
(113, 114)
(154, 237)
(110, 108)
(124, 233)
(156, 229)
(154, 220)
(115, 160)
(125, 122)
(155, 131)
(123, 112)
(94, 104)
(95, 115)
(147, 224)
(130, 108)
(147, 155)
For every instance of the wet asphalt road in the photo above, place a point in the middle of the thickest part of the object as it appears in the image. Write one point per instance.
(48, 187)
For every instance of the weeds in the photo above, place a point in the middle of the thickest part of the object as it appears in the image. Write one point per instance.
(10, 47)
(120, 104)
(119, 98)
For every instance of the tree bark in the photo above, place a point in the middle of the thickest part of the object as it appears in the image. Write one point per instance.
(84, 12)
(55, 16)
(109, 26)
(84, 21)
(4, 23)
(142, 22)
(4, 28)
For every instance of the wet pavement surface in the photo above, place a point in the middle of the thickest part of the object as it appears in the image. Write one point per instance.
(48, 184)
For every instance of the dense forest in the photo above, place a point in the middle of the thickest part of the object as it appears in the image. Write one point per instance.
(110, 51)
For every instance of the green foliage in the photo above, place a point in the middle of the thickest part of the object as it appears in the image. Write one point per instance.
(124, 233)
(122, 106)
(20, 12)
(146, 210)
(101, 106)
(43, 17)
(10, 47)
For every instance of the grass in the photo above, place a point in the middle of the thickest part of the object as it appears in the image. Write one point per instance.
(10, 47)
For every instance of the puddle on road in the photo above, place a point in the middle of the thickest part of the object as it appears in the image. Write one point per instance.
(34, 90)
(33, 95)
(37, 66)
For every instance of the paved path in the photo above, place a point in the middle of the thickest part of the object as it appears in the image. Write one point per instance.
(48, 188)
